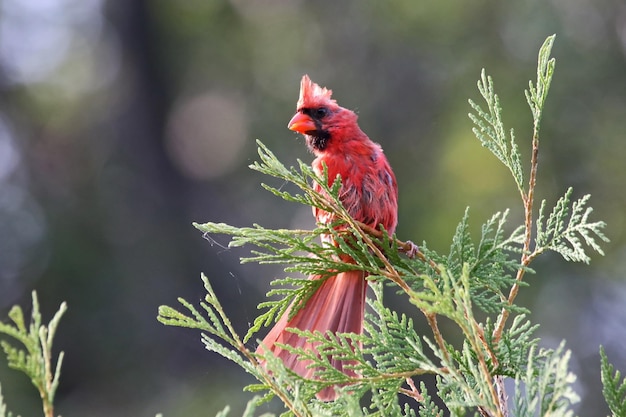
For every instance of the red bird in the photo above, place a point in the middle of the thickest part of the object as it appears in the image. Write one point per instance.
(369, 192)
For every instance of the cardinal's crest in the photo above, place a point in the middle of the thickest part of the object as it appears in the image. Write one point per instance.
(312, 95)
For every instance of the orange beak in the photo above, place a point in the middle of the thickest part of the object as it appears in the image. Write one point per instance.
(301, 123)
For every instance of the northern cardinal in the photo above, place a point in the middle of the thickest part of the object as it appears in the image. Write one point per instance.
(369, 193)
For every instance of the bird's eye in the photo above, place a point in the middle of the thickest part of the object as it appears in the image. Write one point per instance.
(321, 112)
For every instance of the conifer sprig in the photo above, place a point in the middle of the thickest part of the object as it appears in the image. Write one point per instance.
(33, 355)
(544, 388)
(490, 130)
(216, 324)
(567, 227)
(613, 386)
(536, 94)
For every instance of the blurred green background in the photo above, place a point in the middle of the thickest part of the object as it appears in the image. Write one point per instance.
(121, 122)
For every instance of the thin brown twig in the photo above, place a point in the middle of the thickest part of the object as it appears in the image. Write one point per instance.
(527, 257)
(413, 392)
(498, 380)
(432, 322)
(493, 391)
(484, 412)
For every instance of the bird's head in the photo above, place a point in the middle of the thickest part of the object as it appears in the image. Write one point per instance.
(320, 119)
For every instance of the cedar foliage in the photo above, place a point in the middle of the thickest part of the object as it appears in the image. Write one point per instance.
(474, 286)
(477, 275)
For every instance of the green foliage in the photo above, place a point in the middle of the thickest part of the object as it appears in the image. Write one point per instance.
(489, 260)
(544, 388)
(491, 132)
(613, 387)
(427, 407)
(473, 288)
(536, 94)
(562, 231)
(34, 355)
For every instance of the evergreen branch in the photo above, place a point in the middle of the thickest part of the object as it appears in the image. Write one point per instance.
(491, 132)
(386, 374)
(219, 325)
(489, 262)
(391, 339)
(493, 242)
(565, 227)
(301, 177)
(536, 96)
(472, 370)
(469, 373)
(296, 297)
(412, 391)
(613, 386)
(428, 408)
(35, 358)
(512, 349)
(545, 387)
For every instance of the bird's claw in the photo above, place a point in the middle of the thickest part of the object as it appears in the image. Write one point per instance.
(412, 249)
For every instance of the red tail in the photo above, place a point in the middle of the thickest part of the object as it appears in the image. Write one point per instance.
(338, 305)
